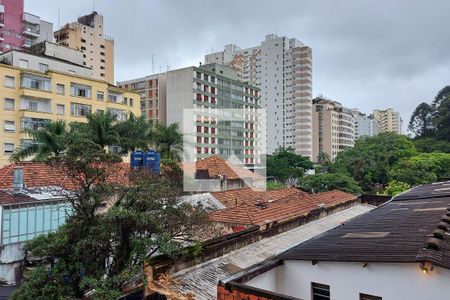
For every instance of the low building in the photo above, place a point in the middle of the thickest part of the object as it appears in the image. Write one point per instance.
(39, 87)
(399, 250)
(333, 128)
(364, 125)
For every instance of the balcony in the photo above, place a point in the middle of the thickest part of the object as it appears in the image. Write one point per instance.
(31, 31)
(27, 43)
(115, 98)
(32, 123)
(36, 105)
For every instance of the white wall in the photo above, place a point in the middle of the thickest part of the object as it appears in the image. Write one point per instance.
(347, 280)
(179, 94)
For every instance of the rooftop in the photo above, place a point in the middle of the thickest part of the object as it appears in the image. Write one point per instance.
(413, 227)
(207, 275)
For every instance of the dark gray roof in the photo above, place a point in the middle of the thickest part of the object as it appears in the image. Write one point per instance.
(398, 231)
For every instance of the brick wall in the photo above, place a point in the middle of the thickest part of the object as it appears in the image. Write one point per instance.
(224, 294)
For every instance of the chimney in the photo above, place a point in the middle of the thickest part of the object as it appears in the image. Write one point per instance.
(18, 180)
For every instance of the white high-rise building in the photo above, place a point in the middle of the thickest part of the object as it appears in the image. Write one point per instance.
(364, 125)
(282, 68)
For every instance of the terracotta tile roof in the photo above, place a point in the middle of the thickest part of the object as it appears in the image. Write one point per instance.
(235, 197)
(38, 174)
(215, 166)
(8, 198)
(292, 205)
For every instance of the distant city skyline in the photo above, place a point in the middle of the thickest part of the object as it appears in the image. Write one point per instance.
(366, 55)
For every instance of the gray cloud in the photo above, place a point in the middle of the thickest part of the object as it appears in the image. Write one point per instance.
(367, 54)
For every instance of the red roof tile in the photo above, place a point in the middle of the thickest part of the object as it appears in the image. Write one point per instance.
(216, 166)
(293, 205)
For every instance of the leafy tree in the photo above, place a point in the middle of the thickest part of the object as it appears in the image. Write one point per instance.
(50, 140)
(371, 159)
(329, 182)
(284, 165)
(134, 133)
(442, 119)
(443, 94)
(396, 187)
(168, 141)
(274, 186)
(100, 129)
(421, 122)
(430, 144)
(421, 169)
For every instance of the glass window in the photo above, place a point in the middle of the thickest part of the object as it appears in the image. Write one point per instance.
(9, 104)
(60, 89)
(23, 63)
(80, 90)
(100, 96)
(60, 109)
(43, 67)
(369, 297)
(10, 82)
(36, 82)
(320, 291)
(8, 148)
(77, 109)
(10, 126)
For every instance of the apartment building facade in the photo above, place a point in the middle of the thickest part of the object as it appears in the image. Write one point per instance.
(50, 90)
(364, 125)
(211, 88)
(152, 92)
(388, 120)
(19, 29)
(333, 128)
(282, 68)
(87, 35)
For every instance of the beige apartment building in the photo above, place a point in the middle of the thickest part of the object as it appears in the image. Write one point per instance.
(388, 120)
(152, 91)
(87, 35)
(333, 128)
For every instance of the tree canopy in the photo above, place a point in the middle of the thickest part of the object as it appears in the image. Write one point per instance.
(284, 164)
(329, 182)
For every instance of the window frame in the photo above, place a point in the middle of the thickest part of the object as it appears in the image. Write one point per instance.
(5, 101)
(363, 296)
(13, 86)
(322, 287)
(4, 148)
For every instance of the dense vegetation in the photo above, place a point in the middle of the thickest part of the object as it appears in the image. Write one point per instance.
(97, 252)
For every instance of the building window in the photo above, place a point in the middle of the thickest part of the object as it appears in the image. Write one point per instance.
(320, 291)
(100, 96)
(23, 63)
(43, 68)
(77, 109)
(30, 81)
(79, 90)
(60, 109)
(369, 297)
(8, 148)
(10, 82)
(60, 89)
(131, 101)
(9, 104)
(9, 126)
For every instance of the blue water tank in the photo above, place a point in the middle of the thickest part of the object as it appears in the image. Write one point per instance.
(152, 161)
(137, 160)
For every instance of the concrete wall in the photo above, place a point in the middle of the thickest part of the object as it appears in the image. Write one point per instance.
(11, 259)
(347, 280)
(179, 94)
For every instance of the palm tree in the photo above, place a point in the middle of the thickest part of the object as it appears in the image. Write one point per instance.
(168, 141)
(134, 133)
(100, 128)
(49, 141)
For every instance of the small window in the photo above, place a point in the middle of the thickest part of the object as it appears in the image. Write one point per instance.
(10, 126)
(23, 63)
(43, 68)
(60, 109)
(320, 291)
(8, 148)
(131, 101)
(10, 82)
(369, 297)
(9, 104)
(60, 89)
(100, 96)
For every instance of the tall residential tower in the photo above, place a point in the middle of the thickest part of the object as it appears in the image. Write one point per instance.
(282, 68)
(388, 120)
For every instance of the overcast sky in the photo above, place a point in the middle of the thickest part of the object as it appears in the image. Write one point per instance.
(366, 54)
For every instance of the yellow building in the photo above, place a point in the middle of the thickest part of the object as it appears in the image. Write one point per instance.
(29, 98)
(87, 35)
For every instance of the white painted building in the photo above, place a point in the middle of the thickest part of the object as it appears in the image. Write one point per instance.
(397, 251)
(364, 125)
(282, 68)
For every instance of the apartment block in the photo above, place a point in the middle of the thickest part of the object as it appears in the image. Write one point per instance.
(36, 89)
(214, 87)
(333, 128)
(388, 120)
(152, 92)
(282, 68)
(87, 35)
(19, 29)
(364, 125)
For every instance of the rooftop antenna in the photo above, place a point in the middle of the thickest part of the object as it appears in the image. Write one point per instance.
(153, 65)
(93, 5)
(167, 64)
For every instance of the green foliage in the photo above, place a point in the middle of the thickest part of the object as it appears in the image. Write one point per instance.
(421, 122)
(442, 120)
(421, 169)
(134, 133)
(329, 182)
(168, 141)
(396, 187)
(429, 144)
(50, 140)
(371, 159)
(284, 164)
(274, 185)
